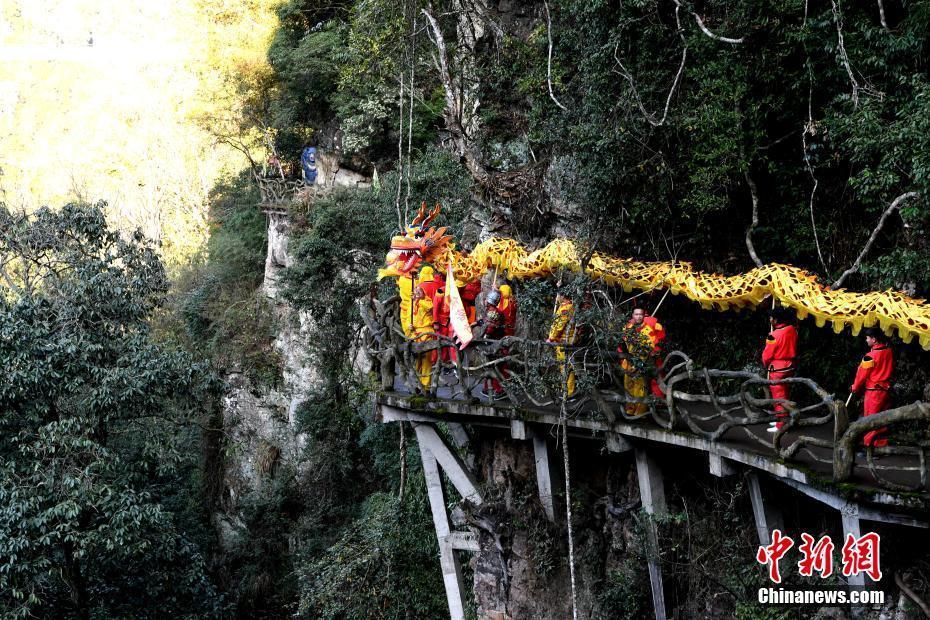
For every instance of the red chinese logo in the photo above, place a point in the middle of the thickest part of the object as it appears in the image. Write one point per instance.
(816, 557)
(861, 556)
(771, 554)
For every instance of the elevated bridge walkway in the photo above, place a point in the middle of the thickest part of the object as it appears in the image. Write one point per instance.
(724, 414)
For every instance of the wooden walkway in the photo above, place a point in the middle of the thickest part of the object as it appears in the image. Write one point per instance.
(751, 446)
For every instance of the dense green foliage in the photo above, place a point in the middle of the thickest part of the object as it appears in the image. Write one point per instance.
(647, 137)
(743, 108)
(96, 420)
(634, 159)
(216, 307)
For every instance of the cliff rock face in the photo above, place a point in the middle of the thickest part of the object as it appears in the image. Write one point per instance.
(260, 420)
(521, 570)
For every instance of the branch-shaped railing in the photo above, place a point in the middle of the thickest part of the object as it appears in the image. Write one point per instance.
(278, 192)
(709, 403)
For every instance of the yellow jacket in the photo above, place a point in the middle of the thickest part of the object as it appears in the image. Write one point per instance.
(405, 288)
(563, 325)
(423, 318)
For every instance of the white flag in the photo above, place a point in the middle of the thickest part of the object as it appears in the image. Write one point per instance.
(457, 315)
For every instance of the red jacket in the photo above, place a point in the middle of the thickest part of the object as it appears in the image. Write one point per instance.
(509, 316)
(651, 329)
(874, 372)
(469, 294)
(440, 308)
(781, 349)
(431, 286)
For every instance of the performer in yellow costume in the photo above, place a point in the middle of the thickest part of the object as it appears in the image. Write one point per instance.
(563, 332)
(423, 332)
(650, 334)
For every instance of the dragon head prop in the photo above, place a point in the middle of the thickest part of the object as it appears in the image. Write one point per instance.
(419, 243)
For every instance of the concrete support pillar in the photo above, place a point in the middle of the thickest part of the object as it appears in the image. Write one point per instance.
(852, 525)
(652, 493)
(459, 474)
(448, 562)
(544, 476)
(434, 452)
(768, 516)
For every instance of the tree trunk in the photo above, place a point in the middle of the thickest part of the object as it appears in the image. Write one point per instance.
(75, 580)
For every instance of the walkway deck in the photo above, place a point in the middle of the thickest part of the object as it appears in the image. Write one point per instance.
(750, 446)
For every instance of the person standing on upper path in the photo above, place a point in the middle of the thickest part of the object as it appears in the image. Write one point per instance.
(779, 358)
(423, 332)
(308, 164)
(562, 332)
(873, 378)
(650, 334)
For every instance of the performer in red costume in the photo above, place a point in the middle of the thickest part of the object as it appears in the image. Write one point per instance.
(442, 325)
(779, 358)
(469, 293)
(873, 377)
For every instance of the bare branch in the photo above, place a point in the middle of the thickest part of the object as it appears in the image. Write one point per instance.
(400, 153)
(706, 30)
(881, 16)
(754, 191)
(453, 111)
(441, 59)
(413, 62)
(650, 118)
(716, 37)
(838, 20)
(894, 206)
(549, 65)
(811, 128)
(898, 578)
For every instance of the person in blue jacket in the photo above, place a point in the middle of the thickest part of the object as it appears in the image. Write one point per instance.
(308, 164)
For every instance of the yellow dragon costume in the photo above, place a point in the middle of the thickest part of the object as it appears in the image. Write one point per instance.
(791, 286)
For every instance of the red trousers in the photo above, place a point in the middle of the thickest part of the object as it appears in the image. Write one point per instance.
(780, 391)
(446, 353)
(875, 401)
(654, 382)
(654, 387)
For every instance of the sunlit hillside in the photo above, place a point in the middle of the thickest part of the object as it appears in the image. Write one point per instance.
(114, 100)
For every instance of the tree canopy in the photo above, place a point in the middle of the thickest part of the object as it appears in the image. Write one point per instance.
(95, 422)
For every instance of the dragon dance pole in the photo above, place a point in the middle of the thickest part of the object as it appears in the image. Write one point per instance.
(659, 305)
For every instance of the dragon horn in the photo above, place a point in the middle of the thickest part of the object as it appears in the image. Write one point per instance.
(432, 215)
(420, 215)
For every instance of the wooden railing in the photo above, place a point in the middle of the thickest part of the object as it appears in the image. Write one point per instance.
(707, 402)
